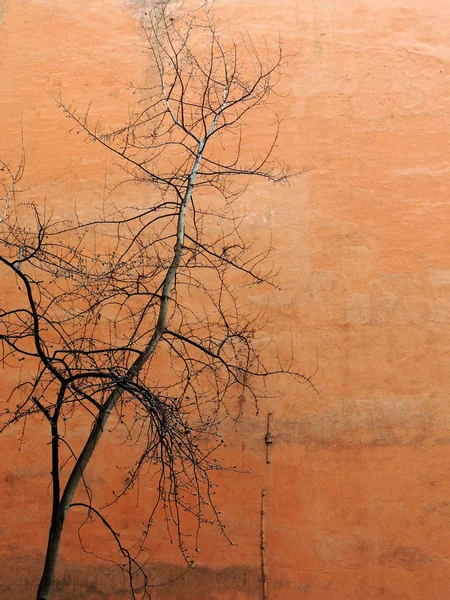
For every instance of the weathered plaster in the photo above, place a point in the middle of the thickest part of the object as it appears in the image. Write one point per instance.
(358, 484)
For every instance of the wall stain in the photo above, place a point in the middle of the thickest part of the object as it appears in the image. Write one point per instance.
(75, 581)
(405, 556)
(365, 422)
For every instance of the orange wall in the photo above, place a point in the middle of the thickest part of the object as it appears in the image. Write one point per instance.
(358, 490)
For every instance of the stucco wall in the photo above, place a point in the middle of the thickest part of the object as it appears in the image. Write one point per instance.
(358, 488)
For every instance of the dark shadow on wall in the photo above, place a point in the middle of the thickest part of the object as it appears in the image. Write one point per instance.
(18, 579)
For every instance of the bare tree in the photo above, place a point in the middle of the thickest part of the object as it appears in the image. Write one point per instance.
(137, 318)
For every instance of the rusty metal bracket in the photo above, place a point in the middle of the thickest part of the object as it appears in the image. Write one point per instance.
(268, 437)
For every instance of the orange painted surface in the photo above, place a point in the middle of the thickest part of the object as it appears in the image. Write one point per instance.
(358, 488)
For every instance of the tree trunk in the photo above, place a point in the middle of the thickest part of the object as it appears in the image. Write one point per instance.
(60, 511)
(48, 574)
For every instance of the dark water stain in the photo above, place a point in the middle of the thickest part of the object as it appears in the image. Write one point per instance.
(406, 556)
(75, 581)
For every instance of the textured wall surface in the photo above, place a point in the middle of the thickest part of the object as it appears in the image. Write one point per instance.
(358, 489)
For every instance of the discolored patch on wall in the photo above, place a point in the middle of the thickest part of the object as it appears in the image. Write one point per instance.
(407, 557)
(395, 421)
(140, 8)
(75, 581)
(205, 582)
